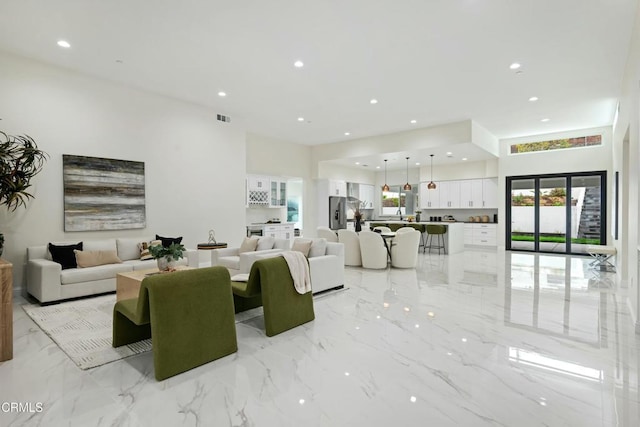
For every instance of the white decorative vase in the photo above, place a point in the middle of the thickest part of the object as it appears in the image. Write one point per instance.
(165, 263)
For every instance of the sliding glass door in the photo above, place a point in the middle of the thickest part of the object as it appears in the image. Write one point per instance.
(559, 213)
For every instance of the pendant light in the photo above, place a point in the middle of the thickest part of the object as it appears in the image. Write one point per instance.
(407, 186)
(431, 185)
(385, 187)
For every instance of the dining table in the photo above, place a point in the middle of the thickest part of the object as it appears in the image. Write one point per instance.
(386, 237)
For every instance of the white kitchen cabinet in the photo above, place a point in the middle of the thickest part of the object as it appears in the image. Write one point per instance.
(468, 234)
(449, 194)
(258, 182)
(258, 191)
(429, 199)
(490, 193)
(480, 234)
(337, 188)
(278, 196)
(366, 196)
(279, 231)
(471, 193)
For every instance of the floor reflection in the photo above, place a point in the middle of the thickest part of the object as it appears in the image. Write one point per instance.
(556, 295)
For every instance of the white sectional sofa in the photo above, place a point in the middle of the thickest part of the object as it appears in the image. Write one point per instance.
(326, 260)
(237, 262)
(326, 264)
(48, 282)
(327, 271)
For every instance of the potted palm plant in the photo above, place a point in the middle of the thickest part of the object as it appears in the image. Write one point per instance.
(20, 161)
(166, 256)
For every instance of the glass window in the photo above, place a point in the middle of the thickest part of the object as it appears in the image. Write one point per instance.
(557, 144)
(398, 201)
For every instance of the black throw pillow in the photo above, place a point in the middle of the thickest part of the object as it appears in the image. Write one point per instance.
(167, 241)
(63, 254)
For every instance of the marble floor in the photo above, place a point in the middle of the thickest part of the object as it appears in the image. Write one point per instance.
(482, 338)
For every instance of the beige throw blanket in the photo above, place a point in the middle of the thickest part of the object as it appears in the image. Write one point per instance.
(299, 268)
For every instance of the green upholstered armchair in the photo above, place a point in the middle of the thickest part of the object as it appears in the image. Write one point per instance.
(188, 314)
(270, 285)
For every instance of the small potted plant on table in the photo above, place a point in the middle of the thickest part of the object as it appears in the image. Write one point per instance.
(167, 255)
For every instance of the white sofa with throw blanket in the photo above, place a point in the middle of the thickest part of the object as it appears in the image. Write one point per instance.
(240, 260)
(47, 281)
(326, 262)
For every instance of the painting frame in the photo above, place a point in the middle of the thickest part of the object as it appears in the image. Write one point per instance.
(103, 194)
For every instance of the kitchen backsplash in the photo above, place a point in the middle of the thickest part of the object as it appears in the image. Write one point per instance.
(260, 214)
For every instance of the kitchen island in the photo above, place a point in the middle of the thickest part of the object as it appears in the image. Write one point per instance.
(454, 237)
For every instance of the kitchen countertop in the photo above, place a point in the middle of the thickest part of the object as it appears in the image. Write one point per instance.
(271, 223)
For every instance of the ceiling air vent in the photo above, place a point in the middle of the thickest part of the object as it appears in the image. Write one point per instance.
(225, 119)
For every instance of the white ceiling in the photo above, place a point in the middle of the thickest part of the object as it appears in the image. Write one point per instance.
(434, 61)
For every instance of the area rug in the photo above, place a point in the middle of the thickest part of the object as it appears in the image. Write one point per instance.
(83, 330)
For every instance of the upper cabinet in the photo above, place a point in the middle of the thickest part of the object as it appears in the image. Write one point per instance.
(471, 193)
(258, 188)
(449, 194)
(266, 191)
(366, 196)
(429, 199)
(337, 188)
(460, 194)
(278, 192)
(490, 193)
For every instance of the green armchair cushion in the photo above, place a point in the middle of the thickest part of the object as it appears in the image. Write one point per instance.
(270, 285)
(191, 319)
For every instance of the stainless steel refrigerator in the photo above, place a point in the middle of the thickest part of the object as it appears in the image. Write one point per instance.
(337, 212)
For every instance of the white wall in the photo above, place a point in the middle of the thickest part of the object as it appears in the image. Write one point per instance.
(450, 133)
(627, 128)
(556, 161)
(194, 165)
(465, 170)
(273, 157)
(360, 175)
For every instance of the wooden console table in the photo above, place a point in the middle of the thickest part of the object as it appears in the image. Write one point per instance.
(6, 310)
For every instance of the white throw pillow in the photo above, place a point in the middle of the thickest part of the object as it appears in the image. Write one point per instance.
(128, 248)
(318, 247)
(248, 245)
(265, 243)
(302, 245)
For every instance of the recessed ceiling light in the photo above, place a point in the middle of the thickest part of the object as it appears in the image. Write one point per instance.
(64, 43)
(301, 119)
(298, 64)
(357, 163)
(544, 120)
(417, 163)
(374, 101)
(347, 133)
(222, 94)
(377, 167)
(413, 122)
(533, 99)
(464, 158)
(515, 66)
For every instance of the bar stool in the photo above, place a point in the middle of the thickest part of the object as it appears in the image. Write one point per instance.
(437, 230)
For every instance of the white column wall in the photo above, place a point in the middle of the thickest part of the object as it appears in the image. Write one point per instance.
(627, 128)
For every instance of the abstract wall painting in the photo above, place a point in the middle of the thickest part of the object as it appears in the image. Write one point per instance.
(103, 194)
